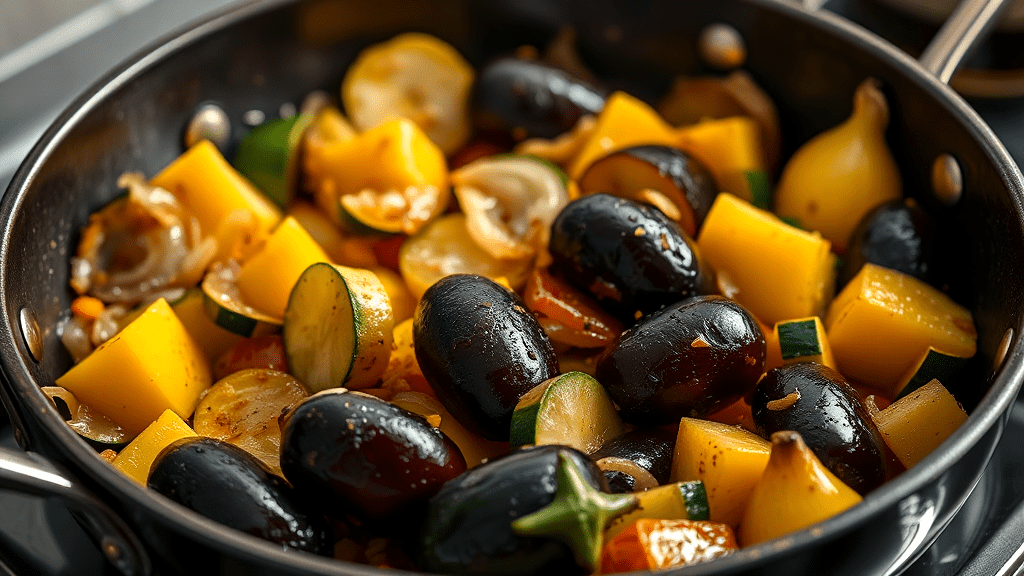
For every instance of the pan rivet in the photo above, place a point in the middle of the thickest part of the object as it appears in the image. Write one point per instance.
(111, 551)
(947, 179)
(31, 333)
(210, 122)
(722, 47)
(1004, 348)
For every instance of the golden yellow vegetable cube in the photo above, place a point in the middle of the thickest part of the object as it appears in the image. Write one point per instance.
(211, 189)
(624, 121)
(729, 460)
(213, 340)
(883, 321)
(152, 365)
(776, 271)
(731, 150)
(137, 458)
(266, 279)
(916, 424)
(800, 340)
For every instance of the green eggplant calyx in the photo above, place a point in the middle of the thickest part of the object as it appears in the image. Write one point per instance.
(577, 516)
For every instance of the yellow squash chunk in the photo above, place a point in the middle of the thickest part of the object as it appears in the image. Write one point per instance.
(267, 278)
(731, 149)
(916, 424)
(210, 189)
(390, 179)
(883, 321)
(800, 340)
(403, 303)
(137, 458)
(403, 371)
(776, 271)
(624, 121)
(152, 365)
(213, 340)
(727, 459)
(795, 491)
(932, 365)
(678, 501)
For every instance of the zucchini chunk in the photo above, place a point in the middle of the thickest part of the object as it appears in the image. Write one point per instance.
(338, 328)
(678, 501)
(803, 340)
(571, 409)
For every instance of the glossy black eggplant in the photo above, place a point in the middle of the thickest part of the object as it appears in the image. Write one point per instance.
(468, 525)
(226, 484)
(685, 187)
(356, 453)
(630, 256)
(689, 359)
(634, 453)
(533, 97)
(898, 235)
(481, 350)
(824, 408)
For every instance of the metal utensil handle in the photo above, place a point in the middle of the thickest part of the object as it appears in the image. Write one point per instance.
(964, 29)
(31, 473)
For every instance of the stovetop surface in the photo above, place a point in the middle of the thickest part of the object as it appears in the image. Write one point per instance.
(41, 78)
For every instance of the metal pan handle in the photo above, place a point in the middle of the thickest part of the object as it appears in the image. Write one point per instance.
(964, 29)
(31, 473)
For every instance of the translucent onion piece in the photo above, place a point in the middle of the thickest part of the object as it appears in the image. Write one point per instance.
(75, 337)
(84, 420)
(563, 149)
(107, 324)
(510, 203)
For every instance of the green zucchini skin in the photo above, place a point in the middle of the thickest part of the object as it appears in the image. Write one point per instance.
(651, 449)
(226, 484)
(829, 416)
(468, 523)
(356, 453)
(481, 350)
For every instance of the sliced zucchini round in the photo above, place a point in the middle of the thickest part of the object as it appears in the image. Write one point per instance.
(223, 304)
(268, 156)
(571, 409)
(243, 409)
(338, 328)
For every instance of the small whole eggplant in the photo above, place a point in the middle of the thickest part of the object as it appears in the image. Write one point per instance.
(689, 359)
(543, 101)
(643, 452)
(899, 235)
(481, 350)
(353, 452)
(226, 484)
(471, 523)
(629, 255)
(824, 408)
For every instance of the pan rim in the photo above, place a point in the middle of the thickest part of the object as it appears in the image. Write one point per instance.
(988, 413)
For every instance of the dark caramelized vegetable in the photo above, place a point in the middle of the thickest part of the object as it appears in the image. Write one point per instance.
(481, 350)
(635, 453)
(666, 177)
(630, 256)
(356, 453)
(468, 527)
(226, 484)
(542, 100)
(689, 359)
(824, 408)
(898, 235)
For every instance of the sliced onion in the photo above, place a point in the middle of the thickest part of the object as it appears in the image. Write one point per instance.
(75, 338)
(107, 324)
(87, 422)
(510, 203)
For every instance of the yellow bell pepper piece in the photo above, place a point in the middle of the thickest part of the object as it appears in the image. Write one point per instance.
(727, 459)
(776, 271)
(795, 491)
(137, 458)
(624, 121)
(883, 321)
(210, 189)
(731, 149)
(915, 425)
(266, 279)
(395, 159)
(152, 365)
